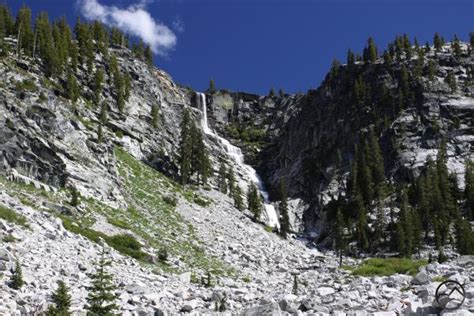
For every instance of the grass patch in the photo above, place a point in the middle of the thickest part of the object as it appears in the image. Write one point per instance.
(125, 244)
(386, 267)
(9, 238)
(440, 278)
(13, 217)
(118, 223)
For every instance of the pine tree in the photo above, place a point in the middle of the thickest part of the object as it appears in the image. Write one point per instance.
(222, 179)
(25, 36)
(361, 227)
(154, 115)
(72, 88)
(62, 301)
(16, 279)
(186, 147)
(231, 181)
(212, 86)
(451, 81)
(372, 50)
(340, 238)
(405, 220)
(456, 46)
(464, 237)
(407, 47)
(148, 54)
(237, 195)
(469, 189)
(350, 58)
(101, 298)
(283, 208)
(254, 201)
(335, 65)
(75, 197)
(100, 134)
(437, 42)
(98, 82)
(281, 93)
(271, 93)
(103, 113)
(294, 290)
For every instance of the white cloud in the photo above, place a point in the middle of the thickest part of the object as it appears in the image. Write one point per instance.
(134, 20)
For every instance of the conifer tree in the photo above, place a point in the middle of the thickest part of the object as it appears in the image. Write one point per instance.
(24, 33)
(451, 81)
(281, 93)
(469, 189)
(148, 54)
(456, 46)
(350, 58)
(361, 227)
(283, 208)
(464, 237)
(103, 113)
(98, 82)
(16, 279)
(406, 222)
(61, 300)
(254, 201)
(340, 238)
(212, 86)
(186, 147)
(7, 25)
(222, 179)
(407, 47)
(101, 298)
(271, 93)
(237, 196)
(294, 290)
(437, 42)
(100, 134)
(72, 88)
(231, 181)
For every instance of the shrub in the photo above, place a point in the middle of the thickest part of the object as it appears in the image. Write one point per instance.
(9, 238)
(25, 85)
(163, 254)
(118, 223)
(386, 267)
(12, 216)
(170, 200)
(16, 280)
(201, 201)
(126, 244)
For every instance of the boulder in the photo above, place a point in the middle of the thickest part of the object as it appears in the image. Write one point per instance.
(421, 278)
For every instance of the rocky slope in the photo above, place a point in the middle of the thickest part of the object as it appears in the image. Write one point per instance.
(302, 134)
(50, 145)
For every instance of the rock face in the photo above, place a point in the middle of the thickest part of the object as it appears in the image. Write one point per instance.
(48, 144)
(304, 133)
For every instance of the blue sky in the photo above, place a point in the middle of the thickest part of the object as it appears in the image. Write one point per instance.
(252, 46)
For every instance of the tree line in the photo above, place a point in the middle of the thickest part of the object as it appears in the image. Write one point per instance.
(405, 215)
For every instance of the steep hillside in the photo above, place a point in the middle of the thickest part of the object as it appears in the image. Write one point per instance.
(103, 156)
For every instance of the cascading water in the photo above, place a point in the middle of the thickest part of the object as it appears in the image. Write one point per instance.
(236, 154)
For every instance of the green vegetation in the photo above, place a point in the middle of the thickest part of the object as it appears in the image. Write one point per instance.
(16, 279)
(9, 238)
(25, 85)
(193, 155)
(61, 300)
(386, 267)
(101, 298)
(12, 216)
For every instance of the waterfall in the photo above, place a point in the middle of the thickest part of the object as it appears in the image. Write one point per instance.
(236, 154)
